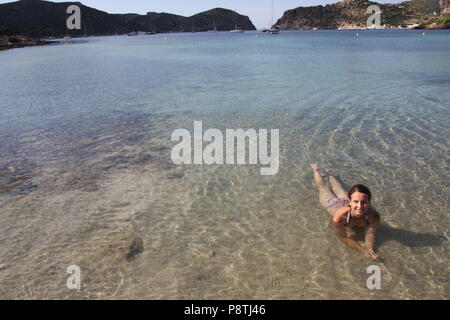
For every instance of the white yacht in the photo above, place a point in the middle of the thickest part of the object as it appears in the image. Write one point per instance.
(275, 30)
(236, 30)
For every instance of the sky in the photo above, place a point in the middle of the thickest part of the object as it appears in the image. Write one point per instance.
(259, 11)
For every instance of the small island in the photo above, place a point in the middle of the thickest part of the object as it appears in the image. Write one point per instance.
(45, 19)
(27, 23)
(352, 14)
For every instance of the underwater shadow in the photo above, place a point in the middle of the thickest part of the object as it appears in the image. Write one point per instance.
(386, 233)
(407, 238)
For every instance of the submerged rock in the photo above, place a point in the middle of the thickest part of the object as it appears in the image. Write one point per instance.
(16, 179)
(176, 175)
(3, 266)
(25, 189)
(136, 247)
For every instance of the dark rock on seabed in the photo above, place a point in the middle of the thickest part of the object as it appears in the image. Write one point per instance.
(136, 247)
(16, 178)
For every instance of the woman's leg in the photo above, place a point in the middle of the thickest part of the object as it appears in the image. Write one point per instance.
(337, 188)
(325, 194)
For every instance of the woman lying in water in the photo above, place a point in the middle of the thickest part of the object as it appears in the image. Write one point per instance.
(349, 210)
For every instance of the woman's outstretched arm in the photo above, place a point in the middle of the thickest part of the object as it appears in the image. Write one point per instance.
(342, 235)
(374, 219)
(339, 229)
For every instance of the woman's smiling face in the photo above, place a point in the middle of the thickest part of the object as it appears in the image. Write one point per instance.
(359, 204)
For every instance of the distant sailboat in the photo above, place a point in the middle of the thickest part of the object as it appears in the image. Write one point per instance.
(215, 27)
(236, 29)
(273, 30)
(150, 26)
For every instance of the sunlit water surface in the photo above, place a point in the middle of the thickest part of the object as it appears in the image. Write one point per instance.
(85, 167)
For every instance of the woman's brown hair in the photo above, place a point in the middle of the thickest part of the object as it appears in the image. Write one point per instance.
(359, 188)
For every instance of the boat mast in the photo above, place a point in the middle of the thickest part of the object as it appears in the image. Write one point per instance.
(271, 17)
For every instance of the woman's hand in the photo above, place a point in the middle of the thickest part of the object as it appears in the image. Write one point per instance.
(315, 166)
(371, 255)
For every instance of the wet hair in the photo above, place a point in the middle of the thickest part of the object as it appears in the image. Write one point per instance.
(359, 188)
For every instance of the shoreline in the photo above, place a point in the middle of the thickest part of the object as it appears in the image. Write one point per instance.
(8, 42)
(19, 41)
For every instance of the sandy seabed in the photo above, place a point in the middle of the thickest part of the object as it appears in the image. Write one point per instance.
(82, 194)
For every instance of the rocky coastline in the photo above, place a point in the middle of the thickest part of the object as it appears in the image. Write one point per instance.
(41, 19)
(20, 41)
(352, 14)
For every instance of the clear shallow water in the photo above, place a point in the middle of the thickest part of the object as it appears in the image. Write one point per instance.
(85, 165)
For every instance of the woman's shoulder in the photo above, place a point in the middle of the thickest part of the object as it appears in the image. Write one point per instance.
(374, 216)
(341, 214)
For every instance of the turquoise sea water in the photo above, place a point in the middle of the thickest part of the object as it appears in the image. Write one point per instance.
(85, 164)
